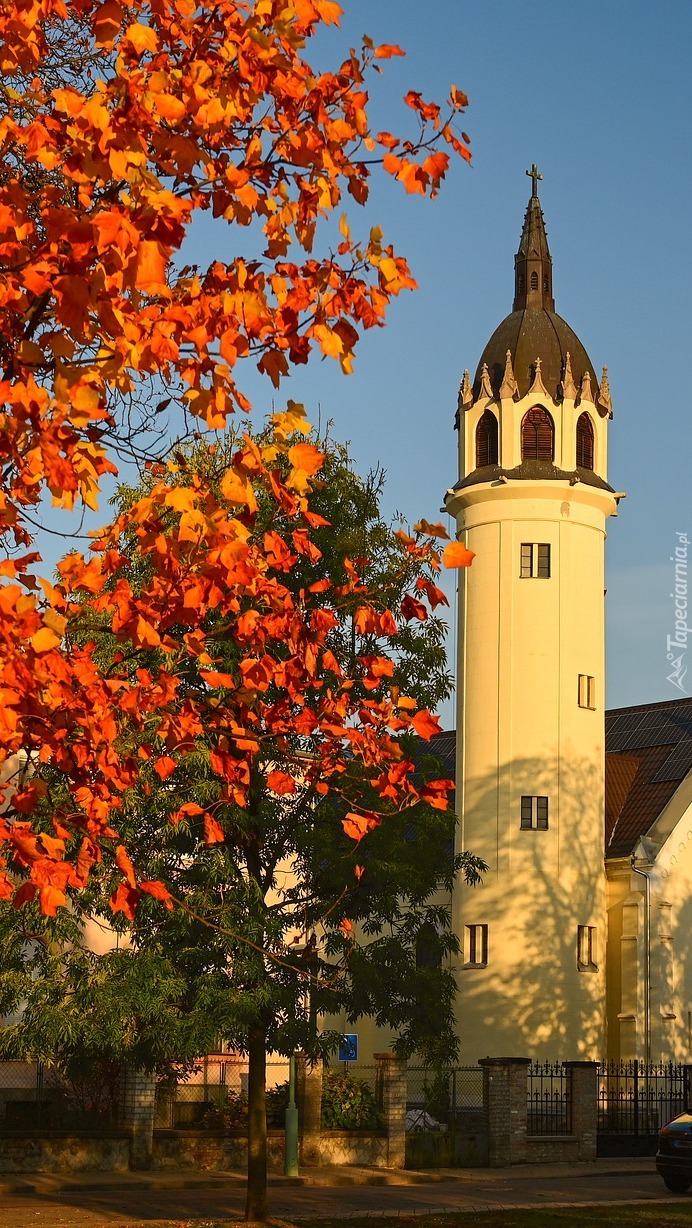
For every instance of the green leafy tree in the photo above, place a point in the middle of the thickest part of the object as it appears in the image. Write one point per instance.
(284, 918)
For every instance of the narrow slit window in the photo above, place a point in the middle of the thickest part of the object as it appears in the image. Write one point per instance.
(476, 946)
(587, 691)
(586, 948)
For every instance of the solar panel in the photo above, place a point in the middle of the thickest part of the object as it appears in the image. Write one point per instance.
(678, 763)
(651, 729)
(617, 727)
(634, 740)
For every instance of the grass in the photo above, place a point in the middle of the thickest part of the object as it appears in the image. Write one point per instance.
(674, 1215)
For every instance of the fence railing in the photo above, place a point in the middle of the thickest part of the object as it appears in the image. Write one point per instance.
(636, 1098)
(214, 1094)
(34, 1097)
(549, 1108)
(443, 1099)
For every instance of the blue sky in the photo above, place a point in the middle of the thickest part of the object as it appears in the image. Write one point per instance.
(599, 96)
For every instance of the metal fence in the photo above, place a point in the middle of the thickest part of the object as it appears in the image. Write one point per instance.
(637, 1099)
(444, 1098)
(214, 1095)
(549, 1107)
(36, 1098)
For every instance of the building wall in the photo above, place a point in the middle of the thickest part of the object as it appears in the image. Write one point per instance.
(669, 845)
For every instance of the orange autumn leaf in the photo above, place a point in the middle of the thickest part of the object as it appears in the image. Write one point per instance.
(425, 725)
(386, 50)
(432, 530)
(456, 554)
(213, 831)
(358, 825)
(164, 767)
(45, 639)
(281, 783)
(188, 809)
(151, 266)
(50, 899)
(157, 891)
(124, 864)
(141, 37)
(125, 899)
(107, 23)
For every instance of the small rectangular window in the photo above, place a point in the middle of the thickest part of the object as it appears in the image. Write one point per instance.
(534, 813)
(586, 948)
(476, 946)
(535, 561)
(587, 691)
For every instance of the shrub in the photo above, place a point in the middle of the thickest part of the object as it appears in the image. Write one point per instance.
(348, 1103)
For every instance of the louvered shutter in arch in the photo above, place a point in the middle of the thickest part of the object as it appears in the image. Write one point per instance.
(584, 442)
(537, 435)
(486, 440)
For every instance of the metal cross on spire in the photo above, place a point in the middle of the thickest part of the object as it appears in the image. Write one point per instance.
(535, 176)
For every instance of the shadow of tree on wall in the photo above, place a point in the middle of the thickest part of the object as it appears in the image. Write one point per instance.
(531, 996)
(679, 1041)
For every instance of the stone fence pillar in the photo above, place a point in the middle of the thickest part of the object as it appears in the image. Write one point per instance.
(505, 1101)
(309, 1101)
(391, 1076)
(583, 1093)
(137, 1102)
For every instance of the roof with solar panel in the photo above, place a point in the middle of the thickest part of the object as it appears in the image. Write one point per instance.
(648, 754)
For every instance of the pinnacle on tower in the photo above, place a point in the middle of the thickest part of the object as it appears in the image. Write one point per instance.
(533, 266)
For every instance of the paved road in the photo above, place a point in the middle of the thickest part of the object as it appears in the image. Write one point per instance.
(98, 1209)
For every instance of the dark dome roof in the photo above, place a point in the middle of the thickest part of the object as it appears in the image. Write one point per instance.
(529, 334)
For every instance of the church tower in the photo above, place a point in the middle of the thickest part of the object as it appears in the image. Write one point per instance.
(532, 502)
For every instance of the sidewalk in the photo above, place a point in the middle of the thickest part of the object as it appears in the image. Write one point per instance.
(329, 1176)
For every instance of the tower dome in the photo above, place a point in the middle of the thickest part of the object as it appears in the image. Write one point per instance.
(533, 329)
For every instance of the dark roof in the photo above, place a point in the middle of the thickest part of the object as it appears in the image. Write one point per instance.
(529, 334)
(532, 471)
(444, 746)
(648, 754)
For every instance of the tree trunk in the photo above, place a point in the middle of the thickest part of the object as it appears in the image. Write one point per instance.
(256, 1205)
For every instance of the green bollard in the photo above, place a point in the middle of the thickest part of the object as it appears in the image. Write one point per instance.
(291, 1125)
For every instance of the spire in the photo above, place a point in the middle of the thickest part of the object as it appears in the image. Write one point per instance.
(533, 267)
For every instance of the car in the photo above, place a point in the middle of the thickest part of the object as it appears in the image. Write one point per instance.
(674, 1155)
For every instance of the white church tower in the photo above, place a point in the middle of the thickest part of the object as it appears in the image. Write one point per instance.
(532, 502)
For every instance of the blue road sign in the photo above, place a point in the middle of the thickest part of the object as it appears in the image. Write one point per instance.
(348, 1049)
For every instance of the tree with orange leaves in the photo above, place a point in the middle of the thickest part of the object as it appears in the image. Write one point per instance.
(120, 124)
(285, 912)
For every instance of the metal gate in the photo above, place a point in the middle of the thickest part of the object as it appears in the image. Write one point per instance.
(634, 1100)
